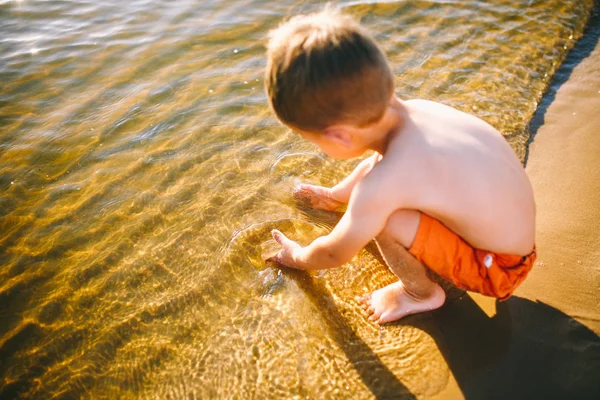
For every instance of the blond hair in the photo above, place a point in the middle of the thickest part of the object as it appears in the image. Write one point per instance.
(325, 69)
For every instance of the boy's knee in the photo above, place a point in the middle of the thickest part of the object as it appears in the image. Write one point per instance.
(402, 226)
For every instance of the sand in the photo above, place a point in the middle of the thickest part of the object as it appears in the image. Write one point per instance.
(543, 343)
(564, 167)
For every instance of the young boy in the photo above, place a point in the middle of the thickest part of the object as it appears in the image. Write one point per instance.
(443, 190)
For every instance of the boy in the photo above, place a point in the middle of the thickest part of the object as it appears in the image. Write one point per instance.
(443, 190)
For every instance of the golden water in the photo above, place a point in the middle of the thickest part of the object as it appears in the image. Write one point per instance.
(141, 173)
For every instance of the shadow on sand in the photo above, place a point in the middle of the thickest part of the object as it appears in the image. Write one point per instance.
(528, 350)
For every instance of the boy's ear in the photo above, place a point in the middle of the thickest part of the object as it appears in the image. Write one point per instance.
(338, 135)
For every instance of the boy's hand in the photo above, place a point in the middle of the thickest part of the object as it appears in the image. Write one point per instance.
(285, 256)
(317, 197)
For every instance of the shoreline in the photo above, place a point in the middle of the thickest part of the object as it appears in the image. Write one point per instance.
(563, 166)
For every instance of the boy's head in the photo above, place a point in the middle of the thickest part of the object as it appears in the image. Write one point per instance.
(324, 69)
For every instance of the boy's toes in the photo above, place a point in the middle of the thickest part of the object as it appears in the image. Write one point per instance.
(375, 317)
(364, 300)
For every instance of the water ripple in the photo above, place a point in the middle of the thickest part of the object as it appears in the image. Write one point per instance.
(142, 172)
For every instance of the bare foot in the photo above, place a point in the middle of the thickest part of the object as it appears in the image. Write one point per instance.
(393, 302)
(317, 197)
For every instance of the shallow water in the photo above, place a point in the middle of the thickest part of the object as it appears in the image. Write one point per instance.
(141, 173)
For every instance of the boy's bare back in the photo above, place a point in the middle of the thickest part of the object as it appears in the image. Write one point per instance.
(459, 170)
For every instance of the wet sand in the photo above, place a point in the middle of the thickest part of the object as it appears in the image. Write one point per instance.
(543, 342)
(564, 167)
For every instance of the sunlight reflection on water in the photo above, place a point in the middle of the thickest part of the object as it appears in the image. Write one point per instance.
(142, 173)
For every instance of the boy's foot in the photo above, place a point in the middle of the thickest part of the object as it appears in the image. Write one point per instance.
(393, 302)
(317, 197)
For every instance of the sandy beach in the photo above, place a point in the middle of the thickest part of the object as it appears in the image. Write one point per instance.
(564, 167)
(543, 342)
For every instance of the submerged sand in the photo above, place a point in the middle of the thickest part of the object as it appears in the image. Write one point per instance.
(543, 342)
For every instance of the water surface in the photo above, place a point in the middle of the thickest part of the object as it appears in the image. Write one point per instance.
(141, 173)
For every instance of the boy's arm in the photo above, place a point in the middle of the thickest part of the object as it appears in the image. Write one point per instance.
(342, 191)
(365, 218)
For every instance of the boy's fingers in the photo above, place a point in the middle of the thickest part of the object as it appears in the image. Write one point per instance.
(275, 233)
(300, 190)
(305, 188)
(275, 259)
(300, 194)
(278, 236)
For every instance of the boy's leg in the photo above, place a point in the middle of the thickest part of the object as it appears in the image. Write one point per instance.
(414, 292)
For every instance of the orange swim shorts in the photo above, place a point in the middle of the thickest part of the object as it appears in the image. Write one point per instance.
(446, 253)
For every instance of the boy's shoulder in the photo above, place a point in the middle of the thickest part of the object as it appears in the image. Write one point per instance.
(385, 179)
(436, 111)
(450, 126)
(427, 104)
